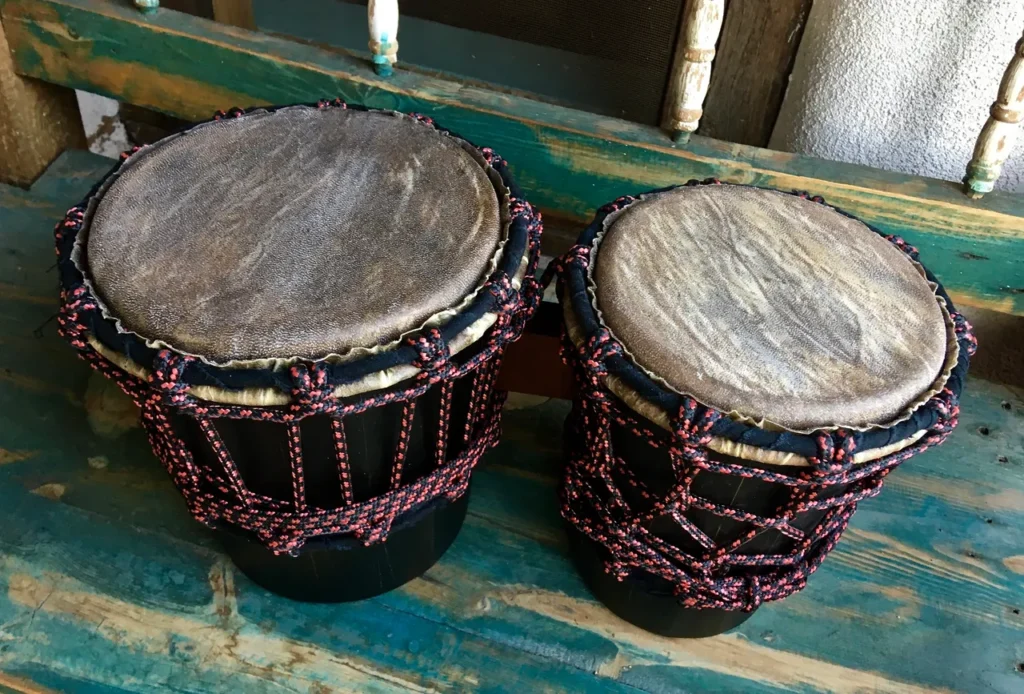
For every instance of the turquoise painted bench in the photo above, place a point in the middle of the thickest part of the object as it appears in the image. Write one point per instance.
(107, 585)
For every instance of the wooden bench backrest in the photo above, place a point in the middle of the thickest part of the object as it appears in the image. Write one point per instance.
(568, 161)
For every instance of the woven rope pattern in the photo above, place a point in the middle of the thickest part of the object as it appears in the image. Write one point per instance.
(604, 499)
(217, 494)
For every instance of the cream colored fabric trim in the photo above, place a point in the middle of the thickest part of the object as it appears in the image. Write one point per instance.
(655, 414)
(268, 397)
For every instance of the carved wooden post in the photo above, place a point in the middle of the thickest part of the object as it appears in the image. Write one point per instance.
(691, 68)
(383, 19)
(148, 6)
(1000, 131)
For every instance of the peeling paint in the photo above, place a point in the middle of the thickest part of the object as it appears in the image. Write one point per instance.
(53, 491)
(727, 654)
(9, 456)
(235, 646)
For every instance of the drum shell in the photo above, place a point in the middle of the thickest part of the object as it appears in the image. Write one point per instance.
(341, 568)
(647, 600)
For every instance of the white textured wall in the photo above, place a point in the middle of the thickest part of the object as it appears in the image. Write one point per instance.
(903, 85)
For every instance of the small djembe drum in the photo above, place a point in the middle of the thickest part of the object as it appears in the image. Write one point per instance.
(749, 365)
(310, 305)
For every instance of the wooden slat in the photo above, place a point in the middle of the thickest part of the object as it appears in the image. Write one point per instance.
(755, 57)
(533, 365)
(37, 122)
(567, 161)
(199, 8)
(234, 12)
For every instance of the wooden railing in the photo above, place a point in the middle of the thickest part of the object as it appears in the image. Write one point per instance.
(569, 162)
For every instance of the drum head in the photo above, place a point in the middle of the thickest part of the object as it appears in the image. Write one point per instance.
(294, 233)
(770, 306)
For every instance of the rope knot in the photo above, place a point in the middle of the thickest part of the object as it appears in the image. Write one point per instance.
(426, 120)
(125, 155)
(964, 333)
(506, 297)
(835, 452)
(901, 244)
(947, 408)
(70, 322)
(233, 112)
(168, 369)
(310, 387)
(519, 208)
(491, 157)
(331, 103)
(433, 354)
(595, 351)
(693, 422)
(616, 205)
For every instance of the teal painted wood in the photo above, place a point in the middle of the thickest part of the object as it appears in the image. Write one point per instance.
(106, 584)
(71, 176)
(567, 161)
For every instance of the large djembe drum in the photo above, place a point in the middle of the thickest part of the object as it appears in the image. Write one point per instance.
(310, 305)
(750, 364)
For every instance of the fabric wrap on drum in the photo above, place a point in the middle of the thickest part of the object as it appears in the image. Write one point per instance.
(628, 421)
(462, 341)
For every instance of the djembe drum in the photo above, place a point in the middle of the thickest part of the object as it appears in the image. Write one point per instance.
(310, 305)
(750, 365)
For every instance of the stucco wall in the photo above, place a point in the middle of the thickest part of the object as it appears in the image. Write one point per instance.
(901, 85)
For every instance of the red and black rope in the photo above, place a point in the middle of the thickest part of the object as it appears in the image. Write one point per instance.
(217, 493)
(598, 484)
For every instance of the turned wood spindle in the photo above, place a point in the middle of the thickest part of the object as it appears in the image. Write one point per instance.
(691, 68)
(1000, 131)
(383, 19)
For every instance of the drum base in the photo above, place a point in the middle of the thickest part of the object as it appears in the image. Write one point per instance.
(631, 600)
(328, 570)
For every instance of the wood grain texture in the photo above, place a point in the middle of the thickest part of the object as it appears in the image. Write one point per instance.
(1000, 131)
(234, 12)
(701, 23)
(199, 8)
(753, 61)
(567, 161)
(774, 307)
(37, 122)
(110, 586)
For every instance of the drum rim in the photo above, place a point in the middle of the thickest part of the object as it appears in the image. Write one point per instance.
(747, 434)
(261, 383)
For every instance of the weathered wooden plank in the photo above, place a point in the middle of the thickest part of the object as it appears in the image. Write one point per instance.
(144, 612)
(71, 176)
(752, 65)
(930, 570)
(568, 161)
(37, 122)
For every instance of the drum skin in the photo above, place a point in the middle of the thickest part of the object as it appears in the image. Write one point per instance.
(770, 305)
(297, 232)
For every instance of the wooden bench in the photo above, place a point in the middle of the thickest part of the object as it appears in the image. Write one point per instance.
(106, 583)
